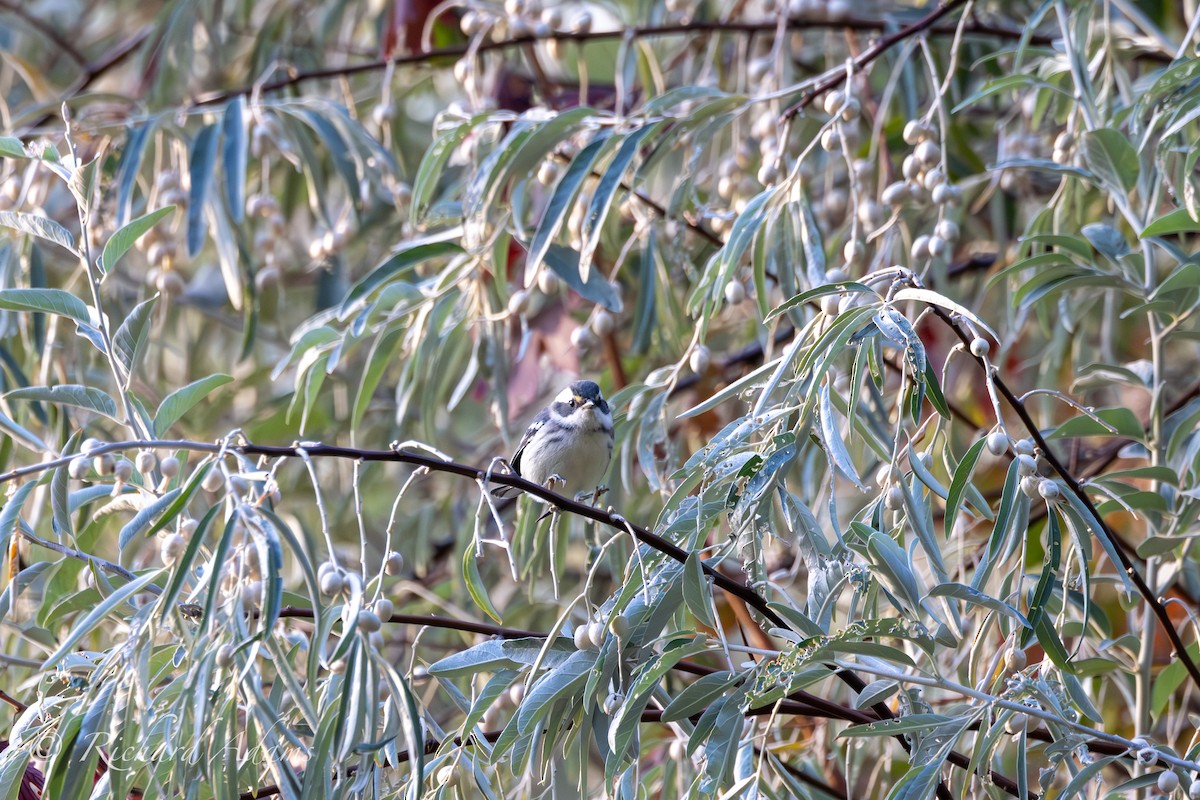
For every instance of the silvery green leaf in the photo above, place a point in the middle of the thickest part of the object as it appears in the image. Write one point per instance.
(41, 227)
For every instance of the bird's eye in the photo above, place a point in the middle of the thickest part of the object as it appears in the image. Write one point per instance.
(571, 403)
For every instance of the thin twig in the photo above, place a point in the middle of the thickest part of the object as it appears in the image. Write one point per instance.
(1076, 488)
(633, 32)
(45, 29)
(12, 701)
(870, 54)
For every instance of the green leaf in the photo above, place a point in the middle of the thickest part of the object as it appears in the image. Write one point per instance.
(107, 606)
(503, 654)
(813, 294)
(560, 203)
(21, 434)
(60, 504)
(476, 587)
(433, 166)
(603, 195)
(1184, 277)
(978, 598)
(131, 161)
(958, 486)
(129, 342)
(41, 227)
(875, 692)
(181, 401)
(564, 262)
(397, 264)
(1106, 239)
(13, 760)
(1121, 421)
(1178, 221)
(909, 723)
(10, 514)
(11, 147)
(51, 301)
(935, 299)
(1109, 154)
(892, 563)
(142, 519)
(698, 696)
(832, 435)
(697, 594)
(233, 132)
(182, 568)
(201, 163)
(378, 359)
(70, 395)
(564, 681)
(119, 243)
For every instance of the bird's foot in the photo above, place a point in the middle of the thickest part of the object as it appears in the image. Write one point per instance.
(554, 481)
(592, 497)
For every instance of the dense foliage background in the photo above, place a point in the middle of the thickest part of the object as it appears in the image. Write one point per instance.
(896, 302)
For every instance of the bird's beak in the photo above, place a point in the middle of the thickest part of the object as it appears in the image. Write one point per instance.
(589, 404)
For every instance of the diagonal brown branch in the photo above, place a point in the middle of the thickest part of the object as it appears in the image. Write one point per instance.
(1076, 488)
(632, 32)
(870, 54)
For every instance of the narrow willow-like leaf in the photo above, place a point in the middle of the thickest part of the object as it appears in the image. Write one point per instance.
(933, 298)
(22, 435)
(201, 164)
(814, 294)
(50, 301)
(41, 227)
(183, 399)
(1048, 582)
(975, 597)
(698, 695)
(119, 243)
(181, 569)
(565, 263)
(396, 265)
(107, 606)
(832, 435)
(697, 593)
(85, 397)
(1109, 154)
(475, 585)
(1177, 221)
(143, 518)
(432, 166)
(233, 135)
(60, 494)
(11, 147)
(129, 342)
(131, 162)
(560, 203)
(602, 197)
(561, 682)
(959, 484)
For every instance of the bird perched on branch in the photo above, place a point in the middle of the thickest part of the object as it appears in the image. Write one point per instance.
(569, 443)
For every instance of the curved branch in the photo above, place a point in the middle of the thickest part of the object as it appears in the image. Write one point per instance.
(1076, 488)
(746, 593)
(765, 27)
(870, 54)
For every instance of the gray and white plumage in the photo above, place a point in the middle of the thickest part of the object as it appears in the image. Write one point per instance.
(572, 438)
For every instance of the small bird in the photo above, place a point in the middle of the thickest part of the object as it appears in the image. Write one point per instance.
(569, 443)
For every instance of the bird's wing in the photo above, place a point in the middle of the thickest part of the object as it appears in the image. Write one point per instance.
(541, 419)
(515, 462)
